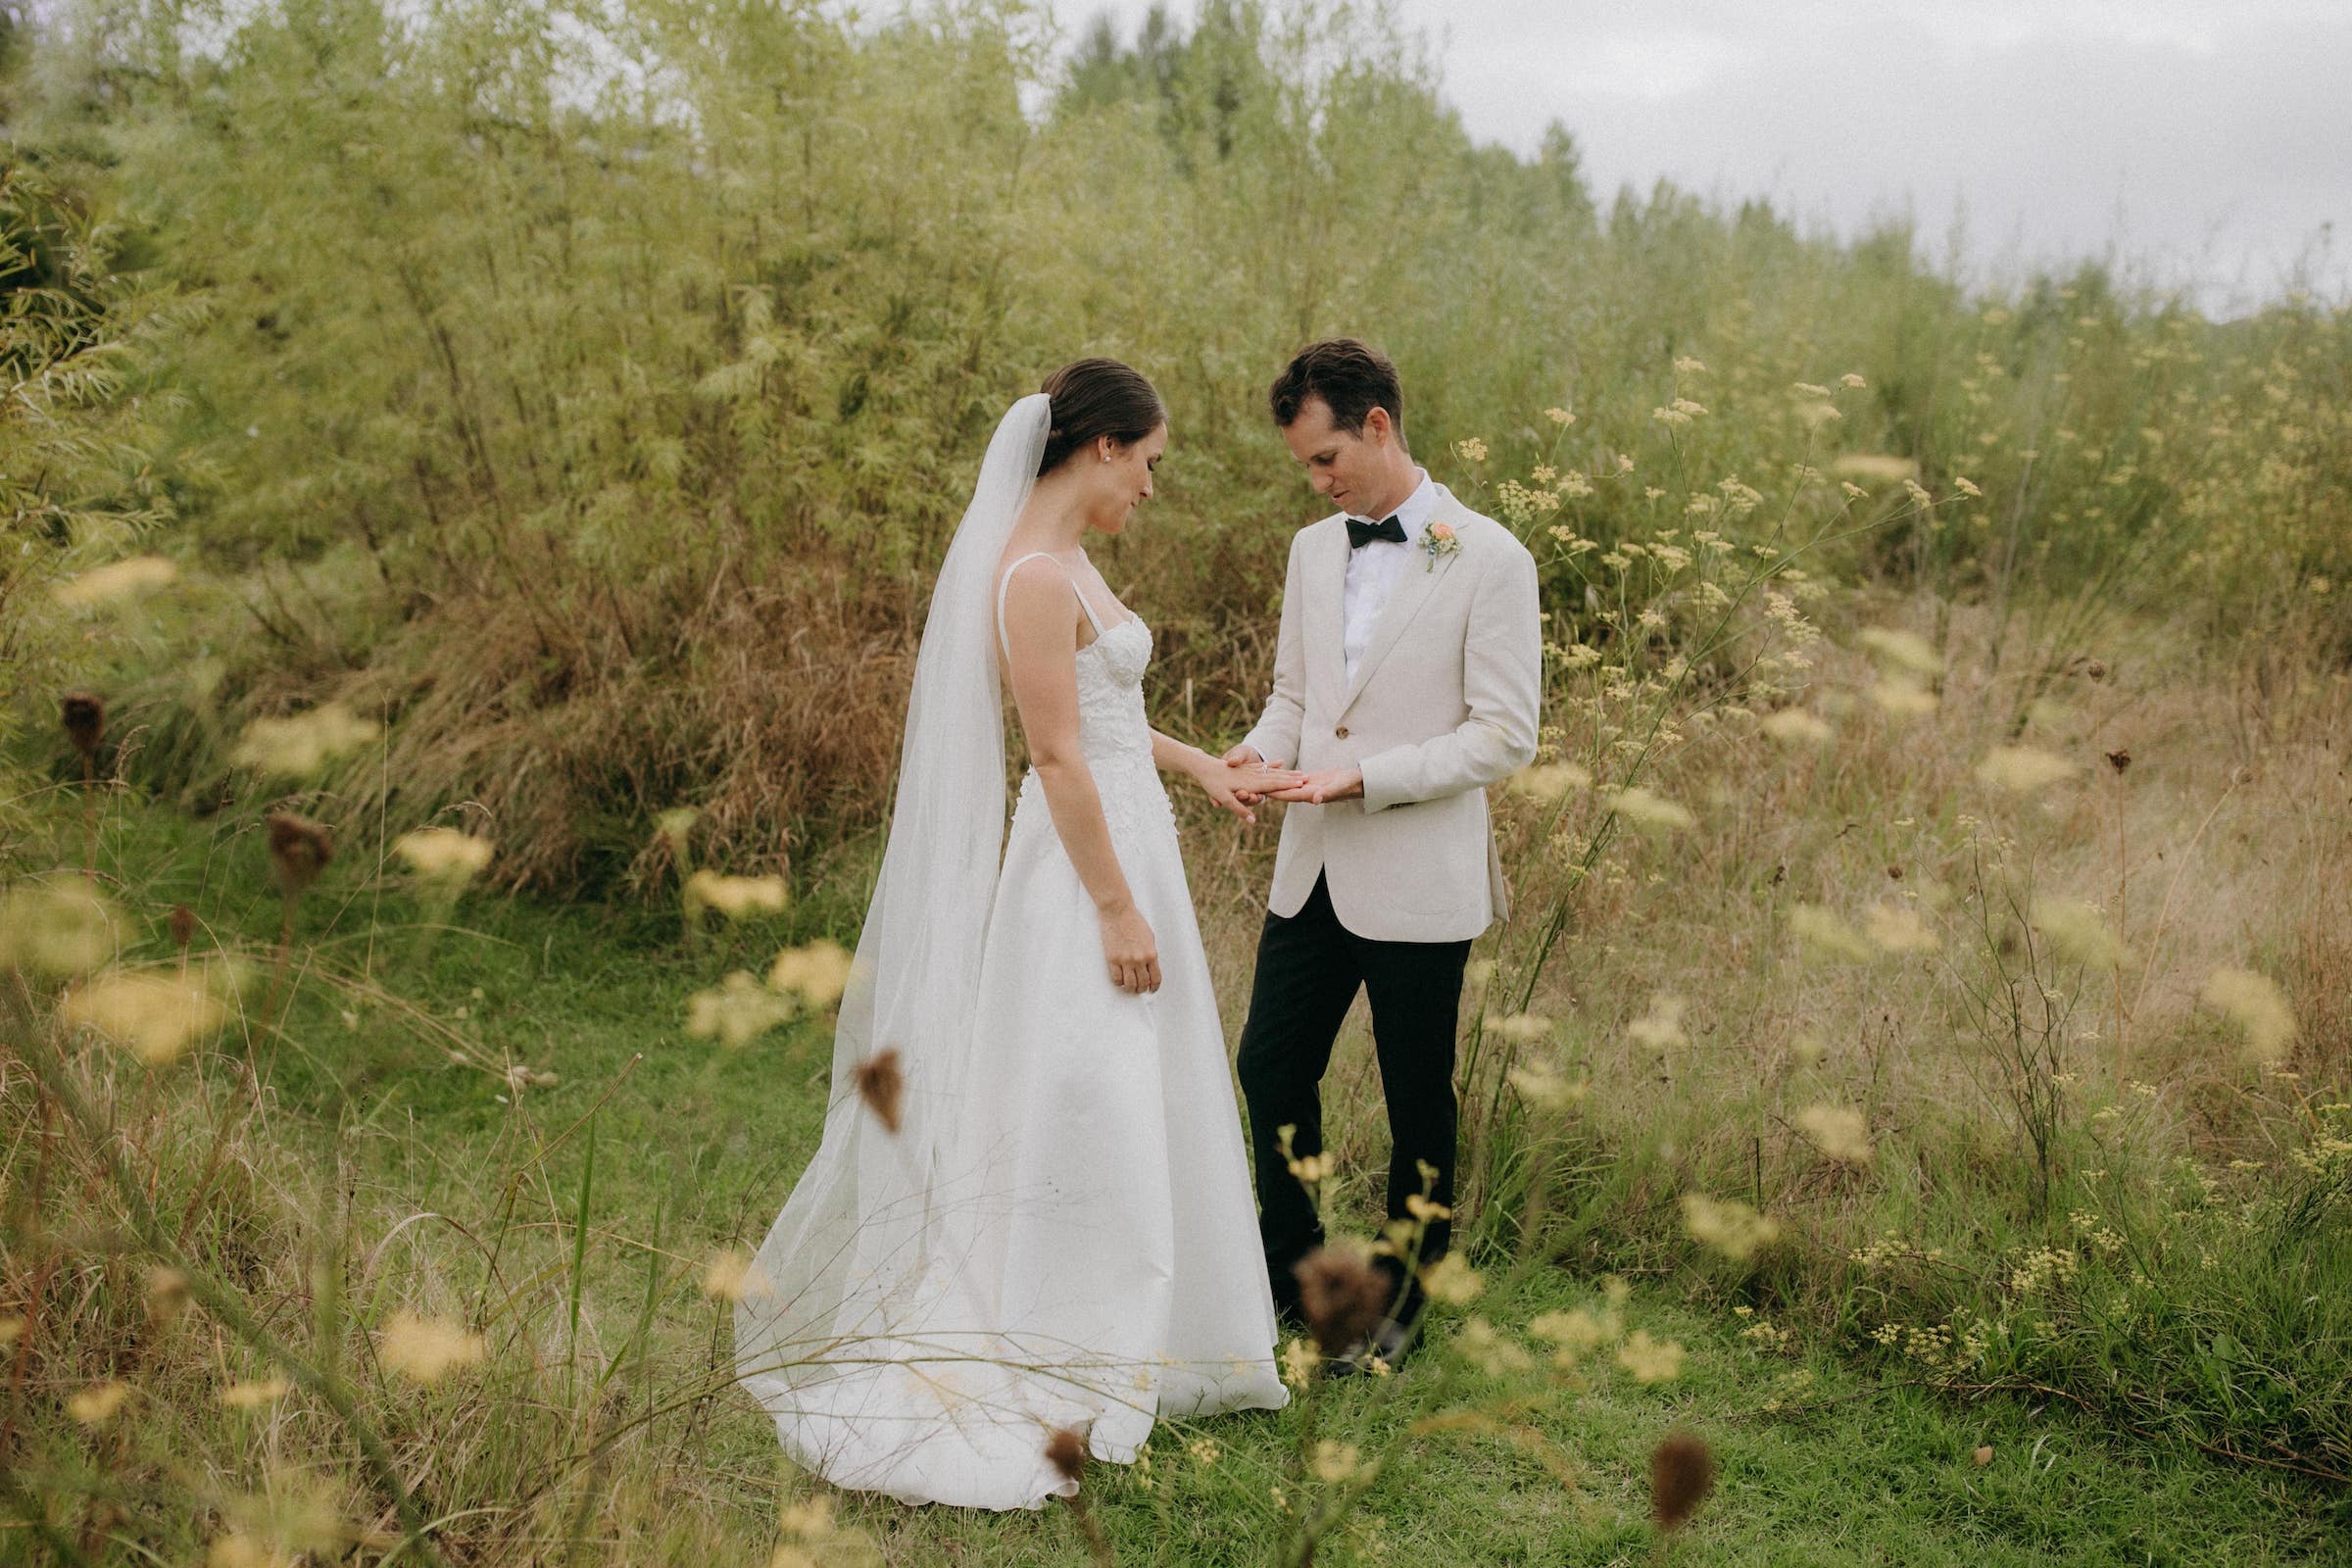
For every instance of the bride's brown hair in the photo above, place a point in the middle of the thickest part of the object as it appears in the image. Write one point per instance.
(1097, 398)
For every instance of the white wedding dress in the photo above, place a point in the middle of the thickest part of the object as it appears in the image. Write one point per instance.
(1079, 1248)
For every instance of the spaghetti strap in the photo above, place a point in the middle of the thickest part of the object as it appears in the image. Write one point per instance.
(1005, 582)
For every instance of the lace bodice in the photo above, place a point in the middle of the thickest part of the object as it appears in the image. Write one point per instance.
(1110, 693)
(1113, 735)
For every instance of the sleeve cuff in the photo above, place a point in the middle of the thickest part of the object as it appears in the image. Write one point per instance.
(1384, 780)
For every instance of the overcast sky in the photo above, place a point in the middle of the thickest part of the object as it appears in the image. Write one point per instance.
(2204, 142)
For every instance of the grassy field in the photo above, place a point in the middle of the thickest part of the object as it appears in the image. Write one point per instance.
(1919, 1061)
(397, 1161)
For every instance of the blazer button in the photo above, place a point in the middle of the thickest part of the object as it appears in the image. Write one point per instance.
(1341, 732)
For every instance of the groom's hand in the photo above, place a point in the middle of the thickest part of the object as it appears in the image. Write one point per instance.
(1318, 789)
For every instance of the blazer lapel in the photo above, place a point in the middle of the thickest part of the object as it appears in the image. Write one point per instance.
(1415, 584)
(1325, 584)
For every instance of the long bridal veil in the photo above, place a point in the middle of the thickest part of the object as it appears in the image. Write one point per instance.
(831, 1283)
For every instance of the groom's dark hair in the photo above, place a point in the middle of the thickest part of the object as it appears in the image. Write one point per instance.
(1351, 377)
(1097, 398)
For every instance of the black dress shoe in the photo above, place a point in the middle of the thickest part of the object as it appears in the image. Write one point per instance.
(1389, 1344)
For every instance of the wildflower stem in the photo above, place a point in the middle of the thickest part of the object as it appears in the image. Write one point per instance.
(2123, 876)
(224, 1304)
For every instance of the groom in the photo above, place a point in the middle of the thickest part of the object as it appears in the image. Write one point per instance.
(1405, 681)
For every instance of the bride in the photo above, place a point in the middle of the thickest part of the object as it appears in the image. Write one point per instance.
(1030, 1211)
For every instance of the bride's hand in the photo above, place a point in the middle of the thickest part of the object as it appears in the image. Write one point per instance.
(1131, 950)
(1240, 781)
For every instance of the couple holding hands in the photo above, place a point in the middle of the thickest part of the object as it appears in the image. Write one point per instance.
(1049, 1229)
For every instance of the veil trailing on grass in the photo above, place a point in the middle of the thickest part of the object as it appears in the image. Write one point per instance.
(859, 1232)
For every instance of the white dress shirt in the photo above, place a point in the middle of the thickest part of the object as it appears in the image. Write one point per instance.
(1372, 572)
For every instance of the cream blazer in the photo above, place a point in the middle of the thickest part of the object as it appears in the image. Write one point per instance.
(1445, 703)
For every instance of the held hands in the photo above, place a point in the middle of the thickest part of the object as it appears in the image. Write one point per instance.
(1240, 780)
(1252, 779)
(1130, 948)
(1331, 784)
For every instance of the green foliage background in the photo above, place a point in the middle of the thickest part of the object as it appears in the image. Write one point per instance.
(588, 391)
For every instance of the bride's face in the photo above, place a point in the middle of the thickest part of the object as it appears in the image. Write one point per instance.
(1123, 482)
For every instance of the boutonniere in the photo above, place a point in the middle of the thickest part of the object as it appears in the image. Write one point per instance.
(1437, 541)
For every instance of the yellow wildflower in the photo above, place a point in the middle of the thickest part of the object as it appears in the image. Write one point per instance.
(819, 972)
(731, 1275)
(98, 1403)
(302, 744)
(1898, 928)
(1840, 1133)
(1643, 808)
(2257, 1005)
(443, 854)
(1728, 1225)
(2077, 930)
(157, 1016)
(1576, 1333)
(118, 579)
(1906, 650)
(252, 1395)
(1903, 698)
(1823, 929)
(63, 928)
(1337, 1462)
(1546, 1087)
(1795, 726)
(2022, 769)
(1661, 1027)
(1884, 467)
(427, 1348)
(1452, 1281)
(740, 1010)
(1650, 1360)
(1551, 781)
(734, 896)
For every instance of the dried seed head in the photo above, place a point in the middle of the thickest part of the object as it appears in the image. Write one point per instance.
(1682, 1472)
(84, 716)
(881, 1084)
(1066, 1451)
(2119, 759)
(299, 849)
(184, 926)
(1342, 1296)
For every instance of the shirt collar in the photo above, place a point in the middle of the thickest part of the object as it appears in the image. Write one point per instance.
(1412, 512)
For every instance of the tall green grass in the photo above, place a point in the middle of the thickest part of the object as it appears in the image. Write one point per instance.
(590, 400)
(1942, 691)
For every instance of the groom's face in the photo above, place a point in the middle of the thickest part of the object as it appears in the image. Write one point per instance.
(1353, 469)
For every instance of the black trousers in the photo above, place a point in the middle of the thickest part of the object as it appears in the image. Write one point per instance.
(1309, 967)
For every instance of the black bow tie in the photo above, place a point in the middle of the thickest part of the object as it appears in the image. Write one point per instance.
(1361, 533)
